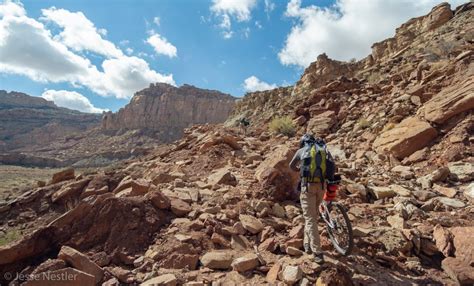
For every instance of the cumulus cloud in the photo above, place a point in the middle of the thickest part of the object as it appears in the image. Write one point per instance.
(347, 29)
(125, 75)
(225, 9)
(255, 84)
(10, 8)
(28, 48)
(79, 33)
(72, 100)
(161, 45)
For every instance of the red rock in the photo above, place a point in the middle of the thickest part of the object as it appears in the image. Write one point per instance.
(272, 275)
(64, 175)
(444, 240)
(179, 207)
(450, 102)
(81, 262)
(459, 270)
(140, 187)
(270, 244)
(408, 136)
(245, 263)
(297, 231)
(159, 200)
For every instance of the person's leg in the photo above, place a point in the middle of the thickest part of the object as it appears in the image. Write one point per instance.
(308, 205)
(318, 192)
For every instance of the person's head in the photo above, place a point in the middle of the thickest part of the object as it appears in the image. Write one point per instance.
(306, 139)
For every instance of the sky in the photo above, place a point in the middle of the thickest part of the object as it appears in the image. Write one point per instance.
(92, 55)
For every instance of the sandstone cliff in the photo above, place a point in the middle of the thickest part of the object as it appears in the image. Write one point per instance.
(165, 110)
(26, 120)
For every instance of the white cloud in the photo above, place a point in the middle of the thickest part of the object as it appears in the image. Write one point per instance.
(347, 29)
(227, 34)
(237, 8)
(225, 23)
(28, 48)
(254, 84)
(161, 45)
(126, 75)
(71, 100)
(225, 9)
(269, 7)
(10, 8)
(79, 33)
(156, 20)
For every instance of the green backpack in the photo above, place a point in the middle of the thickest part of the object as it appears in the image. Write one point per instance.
(314, 163)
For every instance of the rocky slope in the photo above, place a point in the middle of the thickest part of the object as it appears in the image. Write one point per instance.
(165, 110)
(217, 207)
(26, 120)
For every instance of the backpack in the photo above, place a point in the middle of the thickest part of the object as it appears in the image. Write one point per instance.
(317, 164)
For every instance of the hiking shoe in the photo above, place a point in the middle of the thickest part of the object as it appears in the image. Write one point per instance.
(307, 249)
(319, 258)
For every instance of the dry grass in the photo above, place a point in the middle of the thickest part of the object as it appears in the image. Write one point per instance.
(10, 236)
(283, 125)
(363, 123)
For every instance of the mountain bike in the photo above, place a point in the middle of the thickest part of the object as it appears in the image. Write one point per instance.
(338, 226)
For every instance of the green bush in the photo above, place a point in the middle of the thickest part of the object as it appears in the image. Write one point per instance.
(363, 123)
(283, 125)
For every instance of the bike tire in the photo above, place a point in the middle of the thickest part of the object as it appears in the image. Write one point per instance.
(342, 250)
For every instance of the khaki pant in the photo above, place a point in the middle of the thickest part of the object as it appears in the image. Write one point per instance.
(311, 197)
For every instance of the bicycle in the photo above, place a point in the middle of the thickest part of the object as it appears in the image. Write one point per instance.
(338, 225)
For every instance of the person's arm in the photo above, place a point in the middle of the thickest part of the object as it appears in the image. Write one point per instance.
(296, 159)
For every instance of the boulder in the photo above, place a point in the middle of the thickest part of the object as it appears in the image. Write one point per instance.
(439, 15)
(140, 187)
(275, 175)
(449, 102)
(400, 190)
(162, 280)
(291, 274)
(459, 270)
(63, 175)
(223, 177)
(382, 192)
(159, 200)
(444, 240)
(321, 124)
(272, 274)
(217, 260)
(448, 192)
(396, 221)
(356, 189)
(81, 262)
(180, 208)
(462, 171)
(70, 190)
(245, 263)
(251, 223)
(410, 135)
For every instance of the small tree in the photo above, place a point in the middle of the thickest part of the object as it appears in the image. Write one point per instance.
(283, 125)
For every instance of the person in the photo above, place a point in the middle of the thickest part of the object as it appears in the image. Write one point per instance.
(316, 167)
(244, 123)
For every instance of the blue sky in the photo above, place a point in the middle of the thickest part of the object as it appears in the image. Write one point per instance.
(228, 45)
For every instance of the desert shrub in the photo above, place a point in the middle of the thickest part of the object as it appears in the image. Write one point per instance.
(283, 125)
(363, 123)
(388, 126)
(10, 236)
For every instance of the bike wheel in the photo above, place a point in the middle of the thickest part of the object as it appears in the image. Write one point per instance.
(339, 229)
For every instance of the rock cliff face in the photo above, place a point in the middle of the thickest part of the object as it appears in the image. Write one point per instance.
(166, 110)
(26, 120)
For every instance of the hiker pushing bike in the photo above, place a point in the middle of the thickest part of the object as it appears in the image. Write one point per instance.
(318, 185)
